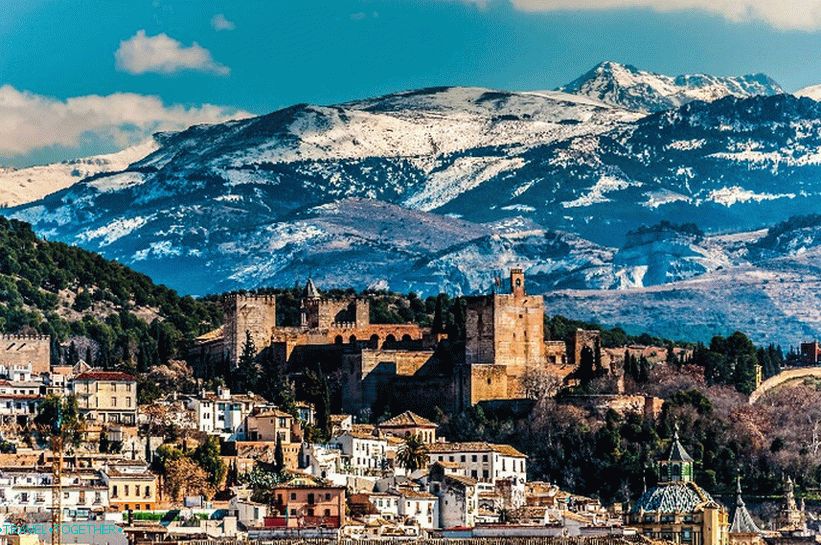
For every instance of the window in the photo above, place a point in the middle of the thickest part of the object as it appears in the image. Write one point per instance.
(293, 496)
(127, 491)
(113, 401)
(327, 512)
(147, 491)
(114, 491)
(484, 457)
(128, 402)
(311, 498)
(327, 496)
(474, 458)
(463, 458)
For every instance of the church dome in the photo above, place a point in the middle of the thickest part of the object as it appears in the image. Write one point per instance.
(673, 497)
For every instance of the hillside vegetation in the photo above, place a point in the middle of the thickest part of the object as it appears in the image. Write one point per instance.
(113, 314)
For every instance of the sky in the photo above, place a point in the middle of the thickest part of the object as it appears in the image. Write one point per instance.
(93, 76)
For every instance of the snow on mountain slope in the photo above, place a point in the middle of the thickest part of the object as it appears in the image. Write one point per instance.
(24, 185)
(776, 301)
(813, 92)
(634, 89)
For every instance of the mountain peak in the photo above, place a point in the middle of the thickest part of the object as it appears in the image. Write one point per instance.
(629, 87)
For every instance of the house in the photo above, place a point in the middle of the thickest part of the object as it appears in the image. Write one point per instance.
(409, 423)
(223, 413)
(305, 502)
(364, 454)
(18, 403)
(130, 487)
(106, 396)
(269, 425)
(417, 507)
(26, 489)
(494, 466)
(458, 497)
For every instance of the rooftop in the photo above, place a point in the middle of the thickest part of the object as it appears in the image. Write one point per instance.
(476, 446)
(113, 376)
(407, 419)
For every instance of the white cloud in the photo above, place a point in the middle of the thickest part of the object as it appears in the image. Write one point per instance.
(29, 121)
(781, 14)
(165, 55)
(220, 22)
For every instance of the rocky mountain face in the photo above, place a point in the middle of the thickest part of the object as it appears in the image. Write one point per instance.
(628, 87)
(445, 188)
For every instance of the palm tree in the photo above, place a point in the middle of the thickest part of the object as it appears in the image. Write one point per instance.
(413, 454)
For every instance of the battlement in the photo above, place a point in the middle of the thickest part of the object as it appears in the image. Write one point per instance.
(13, 337)
(235, 297)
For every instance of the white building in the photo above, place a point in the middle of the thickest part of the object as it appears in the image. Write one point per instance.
(28, 489)
(223, 413)
(19, 400)
(364, 454)
(493, 466)
(418, 507)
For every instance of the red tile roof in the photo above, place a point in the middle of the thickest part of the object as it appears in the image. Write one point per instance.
(116, 376)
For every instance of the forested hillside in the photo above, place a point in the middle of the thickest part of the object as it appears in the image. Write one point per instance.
(113, 314)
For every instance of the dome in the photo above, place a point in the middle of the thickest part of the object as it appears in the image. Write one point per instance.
(673, 497)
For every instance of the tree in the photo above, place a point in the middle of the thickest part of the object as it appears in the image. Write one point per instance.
(413, 454)
(207, 456)
(246, 376)
(183, 477)
(538, 383)
(279, 456)
(60, 415)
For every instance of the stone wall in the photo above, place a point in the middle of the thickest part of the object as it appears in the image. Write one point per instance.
(487, 382)
(555, 352)
(370, 371)
(24, 350)
(585, 338)
(254, 313)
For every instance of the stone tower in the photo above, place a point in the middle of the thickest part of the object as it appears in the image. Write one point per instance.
(253, 313)
(506, 329)
(517, 282)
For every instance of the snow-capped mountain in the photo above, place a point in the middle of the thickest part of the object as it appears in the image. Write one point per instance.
(628, 87)
(23, 185)
(813, 92)
(444, 188)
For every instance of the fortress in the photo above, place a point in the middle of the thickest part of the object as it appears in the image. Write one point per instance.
(380, 364)
(324, 322)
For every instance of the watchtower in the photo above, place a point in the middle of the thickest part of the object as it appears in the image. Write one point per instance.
(248, 313)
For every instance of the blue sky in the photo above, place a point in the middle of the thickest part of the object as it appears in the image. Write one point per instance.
(60, 61)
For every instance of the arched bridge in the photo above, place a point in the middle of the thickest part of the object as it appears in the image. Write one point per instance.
(782, 377)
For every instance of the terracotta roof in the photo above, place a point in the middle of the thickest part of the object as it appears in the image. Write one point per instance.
(476, 446)
(415, 494)
(467, 481)
(407, 419)
(273, 412)
(116, 376)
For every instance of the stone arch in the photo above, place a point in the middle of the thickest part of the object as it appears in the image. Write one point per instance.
(352, 339)
(373, 342)
(406, 339)
(390, 341)
(338, 339)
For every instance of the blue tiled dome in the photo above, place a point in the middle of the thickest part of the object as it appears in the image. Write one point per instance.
(673, 497)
